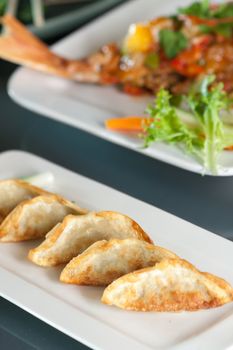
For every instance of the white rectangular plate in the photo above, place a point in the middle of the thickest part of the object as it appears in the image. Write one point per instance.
(87, 106)
(77, 311)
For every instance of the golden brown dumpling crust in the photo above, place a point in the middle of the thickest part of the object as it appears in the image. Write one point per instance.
(14, 191)
(33, 218)
(105, 261)
(139, 232)
(75, 234)
(171, 285)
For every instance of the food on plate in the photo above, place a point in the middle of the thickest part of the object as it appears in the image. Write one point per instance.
(131, 124)
(106, 248)
(169, 52)
(105, 261)
(170, 285)
(14, 191)
(77, 233)
(33, 218)
(198, 126)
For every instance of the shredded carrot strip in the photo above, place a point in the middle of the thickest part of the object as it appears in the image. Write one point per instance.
(229, 148)
(130, 124)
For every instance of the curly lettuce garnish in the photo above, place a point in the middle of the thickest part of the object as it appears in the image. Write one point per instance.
(167, 126)
(207, 138)
(206, 104)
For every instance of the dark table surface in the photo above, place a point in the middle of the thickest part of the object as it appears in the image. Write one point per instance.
(204, 201)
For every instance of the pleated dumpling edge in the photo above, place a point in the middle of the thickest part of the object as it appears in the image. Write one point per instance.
(171, 285)
(76, 234)
(33, 218)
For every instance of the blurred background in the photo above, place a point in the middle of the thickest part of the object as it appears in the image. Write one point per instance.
(50, 18)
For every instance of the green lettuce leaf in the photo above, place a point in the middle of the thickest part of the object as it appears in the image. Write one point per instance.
(199, 129)
(167, 126)
(206, 104)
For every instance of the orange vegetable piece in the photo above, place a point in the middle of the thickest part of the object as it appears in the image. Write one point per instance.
(128, 124)
(139, 38)
(229, 148)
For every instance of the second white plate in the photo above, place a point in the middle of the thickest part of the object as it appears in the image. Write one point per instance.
(87, 106)
(77, 311)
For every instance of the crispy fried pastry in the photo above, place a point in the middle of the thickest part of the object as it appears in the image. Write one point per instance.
(19, 45)
(14, 191)
(33, 218)
(105, 261)
(171, 285)
(75, 234)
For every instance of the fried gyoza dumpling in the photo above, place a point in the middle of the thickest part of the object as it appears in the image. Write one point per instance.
(12, 192)
(33, 218)
(75, 234)
(171, 285)
(105, 261)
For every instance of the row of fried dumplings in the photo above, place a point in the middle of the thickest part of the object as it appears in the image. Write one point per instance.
(105, 249)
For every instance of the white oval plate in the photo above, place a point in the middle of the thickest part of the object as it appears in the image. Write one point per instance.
(87, 106)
